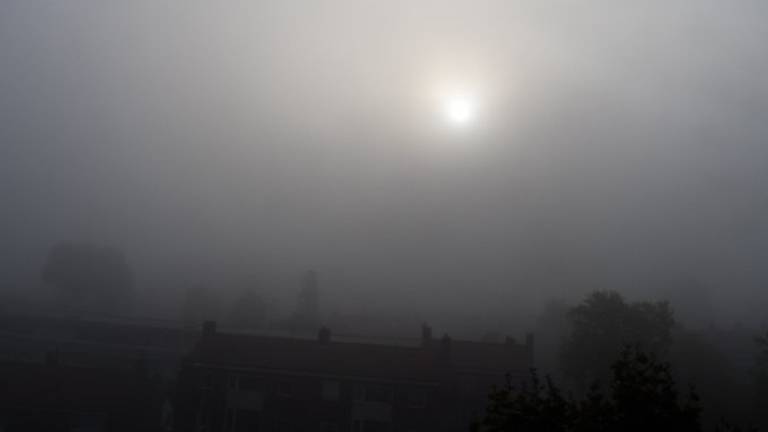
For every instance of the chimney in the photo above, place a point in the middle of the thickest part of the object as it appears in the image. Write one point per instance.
(426, 335)
(209, 328)
(52, 358)
(324, 335)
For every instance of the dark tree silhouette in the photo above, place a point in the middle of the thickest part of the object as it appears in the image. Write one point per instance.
(602, 324)
(642, 396)
(89, 277)
(760, 380)
(536, 406)
(696, 359)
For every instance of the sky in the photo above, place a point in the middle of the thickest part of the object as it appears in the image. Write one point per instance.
(612, 145)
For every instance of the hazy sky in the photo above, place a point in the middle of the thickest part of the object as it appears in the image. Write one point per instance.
(614, 145)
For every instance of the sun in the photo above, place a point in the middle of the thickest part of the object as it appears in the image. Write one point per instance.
(459, 110)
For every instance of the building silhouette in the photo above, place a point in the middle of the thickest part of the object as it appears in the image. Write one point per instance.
(239, 382)
(75, 374)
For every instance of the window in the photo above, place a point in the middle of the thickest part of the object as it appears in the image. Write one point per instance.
(203, 419)
(233, 382)
(246, 421)
(330, 391)
(87, 422)
(378, 393)
(251, 383)
(359, 393)
(329, 426)
(283, 426)
(206, 381)
(284, 389)
(372, 393)
(417, 397)
(230, 420)
(370, 426)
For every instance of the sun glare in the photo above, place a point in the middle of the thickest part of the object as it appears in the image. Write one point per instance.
(459, 110)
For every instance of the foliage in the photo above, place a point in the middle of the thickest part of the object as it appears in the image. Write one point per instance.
(642, 397)
(645, 397)
(760, 381)
(602, 324)
(536, 406)
(761, 366)
(696, 359)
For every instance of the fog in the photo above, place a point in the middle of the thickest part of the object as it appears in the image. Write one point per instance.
(617, 145)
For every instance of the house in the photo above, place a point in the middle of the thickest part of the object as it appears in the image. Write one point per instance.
(53, 397)
(245, 382)
(69, 374)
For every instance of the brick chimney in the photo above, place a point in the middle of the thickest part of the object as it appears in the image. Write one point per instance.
(52, 358)
(426, 335)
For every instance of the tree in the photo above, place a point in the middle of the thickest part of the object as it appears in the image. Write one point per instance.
(695, 359)
(602, 324)
(760, 381)
(642, 397)
(536, 406)
(88, 276)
